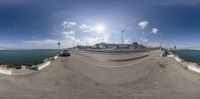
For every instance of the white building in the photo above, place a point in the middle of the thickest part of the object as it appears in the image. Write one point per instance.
(134, 45)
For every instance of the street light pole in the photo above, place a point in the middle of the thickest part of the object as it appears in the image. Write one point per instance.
(73, 44)
(122, 37)
(58, 45)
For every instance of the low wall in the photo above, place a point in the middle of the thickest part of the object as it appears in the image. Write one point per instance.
(12, 71)
(55, 57)
(190, 65)
(43, 65)
(178, 59)
(170, 56)
(46, 63)
(5, 70)
(194, 68)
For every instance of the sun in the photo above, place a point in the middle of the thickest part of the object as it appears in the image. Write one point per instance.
(100, 28)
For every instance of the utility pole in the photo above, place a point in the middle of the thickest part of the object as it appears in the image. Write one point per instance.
(122, 37)
(73, 44)
(161, 45)
(59, 45)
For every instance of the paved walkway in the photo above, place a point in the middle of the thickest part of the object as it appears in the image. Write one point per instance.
(73, 77)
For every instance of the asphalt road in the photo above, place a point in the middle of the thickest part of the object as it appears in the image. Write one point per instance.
(96, 76)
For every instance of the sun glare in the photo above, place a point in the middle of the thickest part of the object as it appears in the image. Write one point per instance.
(100, 28)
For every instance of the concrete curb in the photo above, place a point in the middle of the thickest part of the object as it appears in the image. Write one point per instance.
(194, 68)
(46, 63)
(43, 65)
(190, 65)
(5, 70)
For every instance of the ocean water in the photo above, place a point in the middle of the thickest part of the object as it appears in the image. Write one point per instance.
(25, 57)
(190, 55)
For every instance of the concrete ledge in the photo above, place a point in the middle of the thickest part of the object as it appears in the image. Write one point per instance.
(5, 70)
(178, 59)
(24, 70)
(47, 62)
(190, 65)
(55, 57)
(194, 68)
(43, 65)
(170, 56)
(185, 64)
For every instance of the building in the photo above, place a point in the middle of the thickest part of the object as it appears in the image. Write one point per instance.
(134, 45)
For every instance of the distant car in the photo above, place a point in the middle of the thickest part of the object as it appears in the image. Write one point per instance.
(65, 53)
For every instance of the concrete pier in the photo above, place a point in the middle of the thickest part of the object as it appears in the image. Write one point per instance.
(86, 77)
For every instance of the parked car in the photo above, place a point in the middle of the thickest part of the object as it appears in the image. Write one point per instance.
(65, 53)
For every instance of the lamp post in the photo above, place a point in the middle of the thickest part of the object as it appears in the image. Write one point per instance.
(59, 45)
(73, 44)
(122, 37)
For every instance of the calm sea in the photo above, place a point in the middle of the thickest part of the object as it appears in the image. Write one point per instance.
(25, 57)
(191, 55)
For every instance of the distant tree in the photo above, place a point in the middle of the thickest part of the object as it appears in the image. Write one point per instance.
(135, 43)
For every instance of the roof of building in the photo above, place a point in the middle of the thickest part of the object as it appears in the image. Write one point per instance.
(117, 44)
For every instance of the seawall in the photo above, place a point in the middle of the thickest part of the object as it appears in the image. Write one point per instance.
(187, 64)
(4, 69)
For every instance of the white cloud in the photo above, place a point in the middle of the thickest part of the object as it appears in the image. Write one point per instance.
(79, 42)
(46, 44)
(144, 40)
(87, 28)
(127, 41)
(143, 24)
(69, 32)
(154, 30)
(69, 35)
(148, 43)
(93, 37)
(154, 44)
(90, 40)
(67, 24)
(68, 38)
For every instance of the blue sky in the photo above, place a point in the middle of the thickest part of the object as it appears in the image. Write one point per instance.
(27, 24)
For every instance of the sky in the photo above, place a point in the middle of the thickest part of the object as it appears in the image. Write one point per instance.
(40, 24)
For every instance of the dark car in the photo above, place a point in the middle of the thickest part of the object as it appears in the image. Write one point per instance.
(65, 53)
